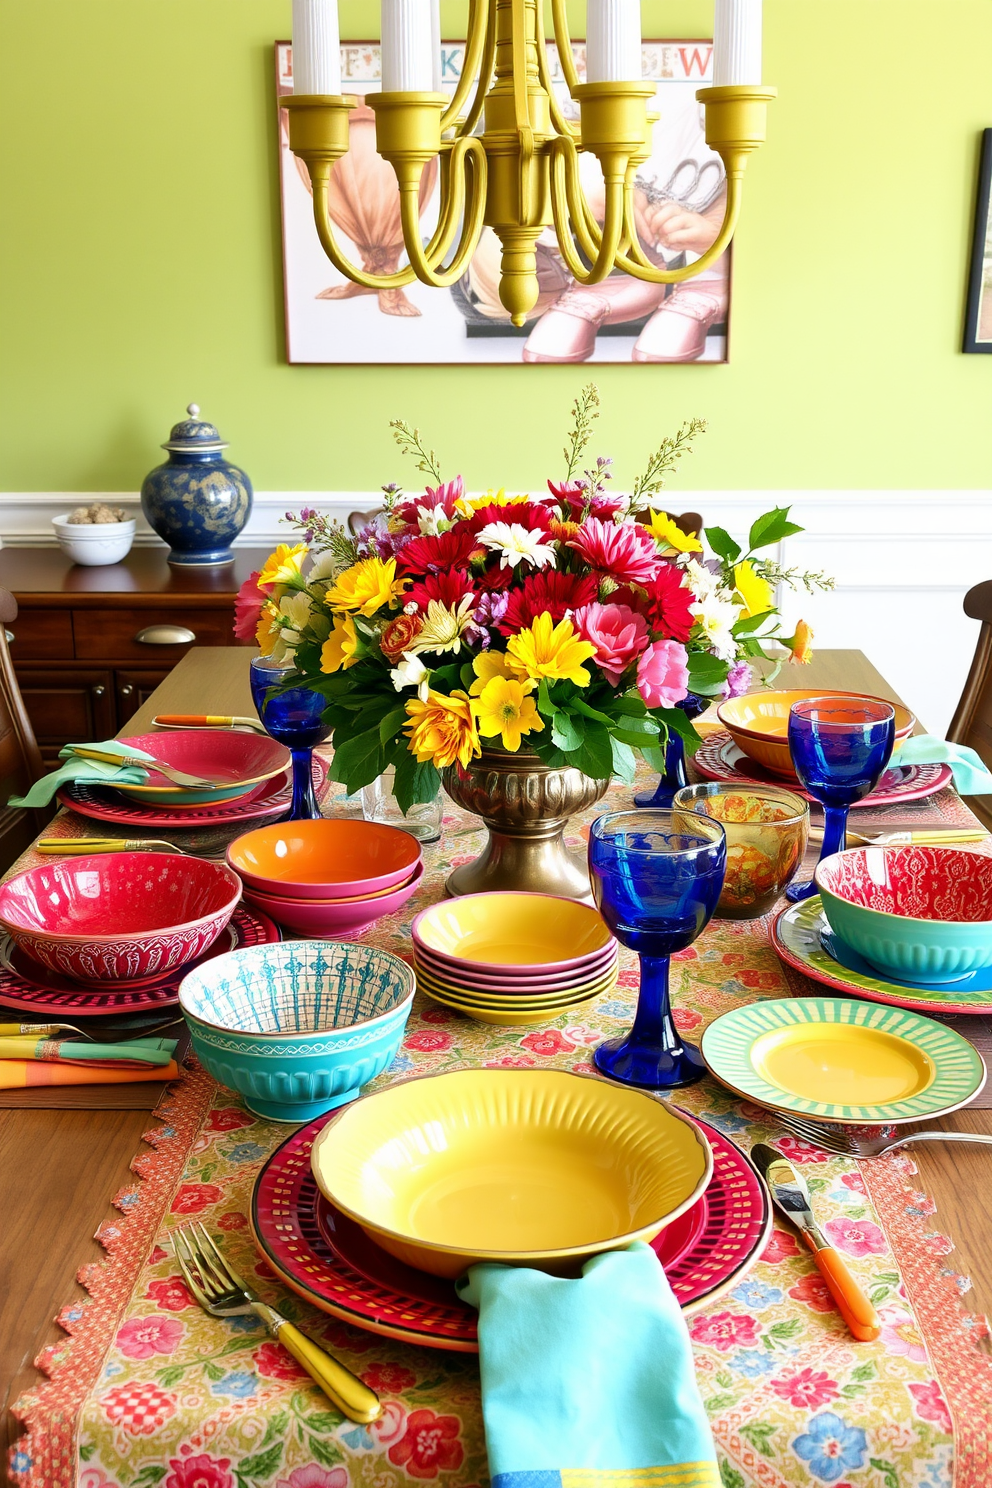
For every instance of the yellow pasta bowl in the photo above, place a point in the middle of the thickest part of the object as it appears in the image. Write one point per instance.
(527, 931)
(759, 724)
(538, 1168)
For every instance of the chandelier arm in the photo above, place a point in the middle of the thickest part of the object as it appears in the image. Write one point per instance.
(649, 274)
(474, 114)
(468, 159)
(563, 41)
(477, 28)
(568, 204)
(558, 121)
(320, 173)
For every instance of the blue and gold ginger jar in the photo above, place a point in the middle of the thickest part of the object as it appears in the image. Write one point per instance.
(197, 502)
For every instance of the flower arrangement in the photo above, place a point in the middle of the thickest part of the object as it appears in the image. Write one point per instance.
(571, 623)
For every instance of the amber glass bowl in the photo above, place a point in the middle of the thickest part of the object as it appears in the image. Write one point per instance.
(767, 829)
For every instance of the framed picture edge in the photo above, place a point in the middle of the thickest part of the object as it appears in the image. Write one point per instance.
(983, 201)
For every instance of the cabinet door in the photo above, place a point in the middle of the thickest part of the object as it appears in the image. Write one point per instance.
(66, 707)
(134, 688)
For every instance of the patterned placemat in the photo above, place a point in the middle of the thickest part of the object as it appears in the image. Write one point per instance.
(147, 1390)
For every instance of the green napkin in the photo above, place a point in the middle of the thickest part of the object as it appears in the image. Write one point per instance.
(971, 777)
(589, 1383)
(94, 772)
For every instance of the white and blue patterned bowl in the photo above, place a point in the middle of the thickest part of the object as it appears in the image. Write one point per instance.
(299, 1027)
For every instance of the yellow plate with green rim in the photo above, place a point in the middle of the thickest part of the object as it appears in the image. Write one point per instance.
(839, 1060)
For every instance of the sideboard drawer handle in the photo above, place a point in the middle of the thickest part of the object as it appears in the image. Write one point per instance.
(165, 635)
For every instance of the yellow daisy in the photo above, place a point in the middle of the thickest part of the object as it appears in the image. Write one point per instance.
(442, 730)
(665, 532)
(366, 587)
(490, 664)
(755, 591)
(338, 651)
(548, 650)
(284, 566)
(505, 708)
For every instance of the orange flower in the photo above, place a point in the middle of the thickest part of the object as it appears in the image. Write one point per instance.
(442, 729)
(801, 644)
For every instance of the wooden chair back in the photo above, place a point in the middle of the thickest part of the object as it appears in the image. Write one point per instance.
(20, 759)
(691, 523)
(972, 721)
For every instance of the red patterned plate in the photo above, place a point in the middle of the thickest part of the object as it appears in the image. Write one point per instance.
(38, 991)
(719, 758)
(314, 1250)
(104, 804)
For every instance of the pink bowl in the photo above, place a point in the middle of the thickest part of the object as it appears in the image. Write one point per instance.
(227, 757)
(324, 859)
(515, 978)
(118, 917)
(331, 918)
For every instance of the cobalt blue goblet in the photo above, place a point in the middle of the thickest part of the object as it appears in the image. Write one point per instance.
(673, 778)
(294, 718)
(656, 878)
(840, 747)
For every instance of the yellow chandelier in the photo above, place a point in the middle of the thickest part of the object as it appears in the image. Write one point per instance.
(520, 173)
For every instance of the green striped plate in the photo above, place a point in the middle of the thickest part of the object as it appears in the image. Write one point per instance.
(788, 1054)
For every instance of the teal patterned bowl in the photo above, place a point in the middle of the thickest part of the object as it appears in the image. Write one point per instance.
(299, 1027)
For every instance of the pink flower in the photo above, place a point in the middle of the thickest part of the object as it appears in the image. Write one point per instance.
(390, 1426)
(192, 1197)
(140, 1338)
(158, 1254)
(813, 1290)
(663, 674)
(141, 1410)
(248, 606)
(617, 633)
(228, 1119)
(807, 1389)
(549, 1042)
(170, 1294)
(233, 1221)
(931, 1405)
(685, 1019)
(389, 1379)
(781, 1247)
(622, 550)
(430, 1444)
(435, 1015)
(313, 1476)
(854, 1182)
(725, 1330)
(858, 1237)
(199, 1472)
(428, 1043)
(798, 1150)
(900, 1334)
(273, 1362)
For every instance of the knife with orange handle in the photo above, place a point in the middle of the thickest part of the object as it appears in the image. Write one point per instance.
(205, 720)
(791, 1196)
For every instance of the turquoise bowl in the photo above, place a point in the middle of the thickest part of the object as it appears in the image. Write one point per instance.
(298, 1028)
(919, 914)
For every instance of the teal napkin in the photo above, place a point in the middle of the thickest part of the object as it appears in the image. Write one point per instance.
(92, 771)
(971, 777)
(589, 1383)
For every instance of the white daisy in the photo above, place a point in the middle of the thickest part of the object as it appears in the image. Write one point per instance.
(517, 544)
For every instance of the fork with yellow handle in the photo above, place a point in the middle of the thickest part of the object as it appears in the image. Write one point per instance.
(75, 847)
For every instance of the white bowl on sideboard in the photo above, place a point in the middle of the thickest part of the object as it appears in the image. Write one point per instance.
(96, 543)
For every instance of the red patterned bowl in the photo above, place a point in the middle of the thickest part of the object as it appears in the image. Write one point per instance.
(324, 859)
(121, 916)
(921, 914)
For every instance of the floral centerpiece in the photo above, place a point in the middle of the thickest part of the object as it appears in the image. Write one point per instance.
(565, 626)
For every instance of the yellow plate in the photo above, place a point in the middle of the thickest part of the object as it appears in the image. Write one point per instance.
(536, 930)
(527, 1167)
(759, 724)
(509, 1017)
(471, 997)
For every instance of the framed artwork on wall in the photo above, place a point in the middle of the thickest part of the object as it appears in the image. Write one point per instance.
(978, 317)
(679, 200)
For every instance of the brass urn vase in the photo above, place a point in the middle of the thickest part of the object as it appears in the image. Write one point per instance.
(526, 805)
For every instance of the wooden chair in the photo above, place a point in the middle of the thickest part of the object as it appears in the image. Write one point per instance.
(691, 523)
(972, 721)
(20, 759)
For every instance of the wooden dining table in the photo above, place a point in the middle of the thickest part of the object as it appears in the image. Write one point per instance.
(62, 1167)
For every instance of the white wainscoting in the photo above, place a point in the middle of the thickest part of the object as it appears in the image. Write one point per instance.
(902, 561)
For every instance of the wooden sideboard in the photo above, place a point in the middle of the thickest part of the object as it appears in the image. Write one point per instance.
(90, 644)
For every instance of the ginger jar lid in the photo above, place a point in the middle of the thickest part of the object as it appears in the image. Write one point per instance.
(194, 433)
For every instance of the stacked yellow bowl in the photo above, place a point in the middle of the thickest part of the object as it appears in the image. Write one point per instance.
(513, 959)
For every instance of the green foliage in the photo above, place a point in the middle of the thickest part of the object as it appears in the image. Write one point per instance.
(759, 1434)
(890, 1477)
(729, 1476)
(149, 1475)
(717, 1403)
(413, 783)
(259, 1466)
(410, 444)
(88, 1448)
(585, 412)
(323, 1421)
(325, 1452)
(779, 1334)
(276, 1427)
(707, 673)
(770, 528)
(666, 457)
(723, 544)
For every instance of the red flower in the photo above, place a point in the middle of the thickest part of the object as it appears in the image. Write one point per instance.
(341, 1336)
(552, 592)
(389, 1379)
(140, 1338)
(448, 587)
(399, 635)
(854, 1182)
(547, 1043)
(931, 1405)
(813, 1290)
(509, 1061)
(623, 551)
(158, 1254)
(685, 1019)
(170, 1295)
(761, 981)
(192, 1197)
(428, 1043)
(495, 579)
(248, 606)
(799, 1151)
(141, 1410)
(725, 1330)
(452, 549)
(444, 496)
(858, 1237)
(435, 1015)
(272, 1361)
(429, 1444)
(232, 1221)
(564, 490)
(781, 1247)
(199, 1472)
(529, 514)
(807, 1389)
(228, 1119)
(663, 602)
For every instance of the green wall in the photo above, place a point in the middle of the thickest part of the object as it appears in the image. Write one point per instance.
(141, 265)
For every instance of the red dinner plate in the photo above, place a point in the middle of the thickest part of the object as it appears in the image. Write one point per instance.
(103, 803)
(719, 758)
(329, 1261)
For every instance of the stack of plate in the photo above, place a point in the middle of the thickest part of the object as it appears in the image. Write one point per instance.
(513, 959)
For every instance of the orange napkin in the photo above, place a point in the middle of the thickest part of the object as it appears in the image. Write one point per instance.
(16, 1074)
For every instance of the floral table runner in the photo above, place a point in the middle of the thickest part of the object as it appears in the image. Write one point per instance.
(147, 1390)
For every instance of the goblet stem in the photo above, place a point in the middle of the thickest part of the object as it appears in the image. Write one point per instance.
(304, 805)
(652, 1055)
(671, 781)
(834, 841)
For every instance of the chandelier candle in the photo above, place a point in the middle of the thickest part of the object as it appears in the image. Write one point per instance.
(407, 46)
(613, 41)
(316, 47)
(737, 42)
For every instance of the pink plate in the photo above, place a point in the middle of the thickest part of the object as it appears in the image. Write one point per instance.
(222, 755)
(102, 803)
(329, 918)
(718, 758)
(45, 994)
(327, 859)
(314, 1252)
(511, 978)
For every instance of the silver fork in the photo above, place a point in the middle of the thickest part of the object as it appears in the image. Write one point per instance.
(220, 1291)
(842, 1140)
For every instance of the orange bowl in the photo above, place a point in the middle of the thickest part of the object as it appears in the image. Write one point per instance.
(324, 859)
(758, 723)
